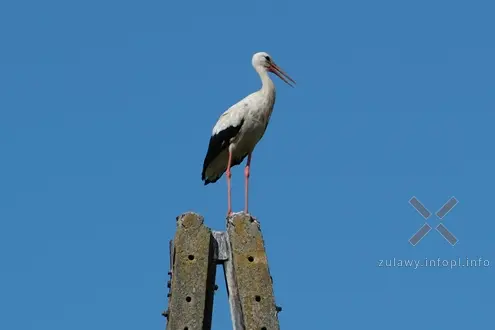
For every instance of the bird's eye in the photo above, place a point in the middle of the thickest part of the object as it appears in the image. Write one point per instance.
(267, 58)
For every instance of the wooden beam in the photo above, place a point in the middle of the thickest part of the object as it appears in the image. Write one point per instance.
(193, 275)
(251, 280)
(225, 256)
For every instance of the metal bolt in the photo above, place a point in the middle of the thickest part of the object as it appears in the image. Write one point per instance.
(278, 308)
(170, 273)
(169, 295)
(165, 314)
(216, 287)
(169, 284)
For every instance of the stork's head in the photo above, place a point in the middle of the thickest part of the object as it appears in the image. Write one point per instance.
(263, 62)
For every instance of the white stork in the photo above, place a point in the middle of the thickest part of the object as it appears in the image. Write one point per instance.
(239, 129)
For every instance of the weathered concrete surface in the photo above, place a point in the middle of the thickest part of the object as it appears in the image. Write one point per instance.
(193, 275)
(252, 276)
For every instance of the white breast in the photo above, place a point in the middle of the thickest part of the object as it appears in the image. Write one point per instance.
(257, 112)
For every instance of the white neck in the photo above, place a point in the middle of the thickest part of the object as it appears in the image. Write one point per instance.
(267, 85)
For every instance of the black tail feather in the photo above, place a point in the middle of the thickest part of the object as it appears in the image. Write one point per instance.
(218, 143)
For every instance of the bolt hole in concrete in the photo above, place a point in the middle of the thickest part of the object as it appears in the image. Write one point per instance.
(188, 299)
(257, 298)
(251, 259)
(191, 257)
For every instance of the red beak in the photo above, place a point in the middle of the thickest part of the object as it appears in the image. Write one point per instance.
(281, 74)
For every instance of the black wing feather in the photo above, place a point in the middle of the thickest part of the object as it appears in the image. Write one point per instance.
(218, 143)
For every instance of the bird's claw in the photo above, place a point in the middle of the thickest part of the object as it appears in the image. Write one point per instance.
(229, 220)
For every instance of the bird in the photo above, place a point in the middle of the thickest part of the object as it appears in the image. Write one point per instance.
(240, 128)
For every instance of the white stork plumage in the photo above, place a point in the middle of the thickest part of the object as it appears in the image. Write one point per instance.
(240, 128)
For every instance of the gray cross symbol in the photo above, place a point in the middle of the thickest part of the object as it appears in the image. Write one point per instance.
(425, 229)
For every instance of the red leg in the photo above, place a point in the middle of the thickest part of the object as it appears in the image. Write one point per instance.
(229, 175)
(246, 175)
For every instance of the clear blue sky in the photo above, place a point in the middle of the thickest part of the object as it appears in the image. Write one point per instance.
(106, 108)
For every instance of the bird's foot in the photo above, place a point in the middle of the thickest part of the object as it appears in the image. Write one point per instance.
(229, 219)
